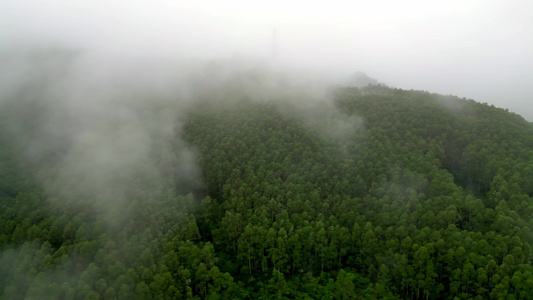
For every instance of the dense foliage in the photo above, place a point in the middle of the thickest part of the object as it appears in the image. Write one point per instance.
(381, 194)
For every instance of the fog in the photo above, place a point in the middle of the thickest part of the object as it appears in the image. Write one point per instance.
(474, 49)
(112, 81)
(95, 93)
(101, 131)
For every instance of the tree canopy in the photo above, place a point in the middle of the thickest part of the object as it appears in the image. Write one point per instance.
(381, 193)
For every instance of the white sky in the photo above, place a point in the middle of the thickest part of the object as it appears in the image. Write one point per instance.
(475, 49)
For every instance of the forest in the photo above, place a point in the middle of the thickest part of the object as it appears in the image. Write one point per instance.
(370, 193)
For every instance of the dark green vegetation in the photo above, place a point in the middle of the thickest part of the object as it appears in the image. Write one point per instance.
(390, 194)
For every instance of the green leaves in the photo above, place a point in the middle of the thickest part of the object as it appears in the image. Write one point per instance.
(428, 198)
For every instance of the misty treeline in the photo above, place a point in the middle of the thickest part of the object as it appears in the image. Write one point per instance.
(237, 182)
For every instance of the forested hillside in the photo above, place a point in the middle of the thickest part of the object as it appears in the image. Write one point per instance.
(375, 193)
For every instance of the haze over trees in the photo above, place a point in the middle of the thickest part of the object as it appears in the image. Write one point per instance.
(235, 181)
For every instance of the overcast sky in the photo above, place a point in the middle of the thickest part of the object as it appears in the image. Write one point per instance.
(475, 49)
